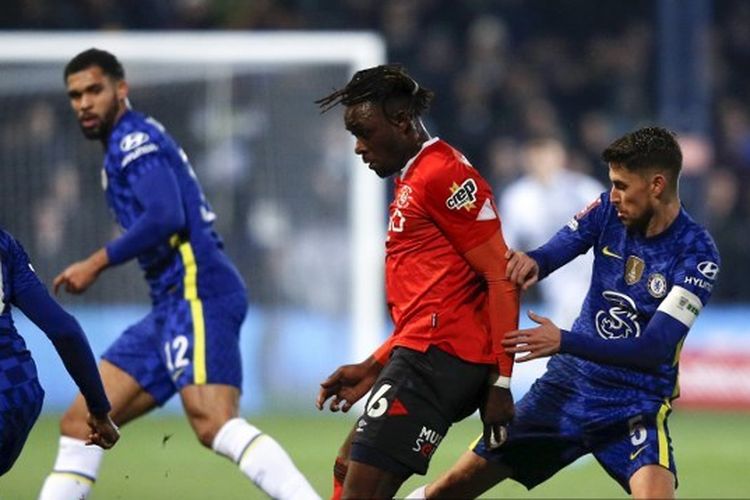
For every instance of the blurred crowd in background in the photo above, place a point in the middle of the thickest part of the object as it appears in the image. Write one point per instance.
(518, 83)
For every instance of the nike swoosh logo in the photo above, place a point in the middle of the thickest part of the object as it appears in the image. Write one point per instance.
(176, 374)
(609, 253)
(637, 452)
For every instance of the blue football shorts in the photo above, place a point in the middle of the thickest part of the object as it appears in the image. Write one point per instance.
(554, 426)
(19, 408)
(183, 342)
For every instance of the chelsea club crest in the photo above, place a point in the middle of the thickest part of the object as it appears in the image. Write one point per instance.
(657, 285)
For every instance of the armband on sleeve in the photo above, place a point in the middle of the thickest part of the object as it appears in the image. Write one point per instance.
(682, 305)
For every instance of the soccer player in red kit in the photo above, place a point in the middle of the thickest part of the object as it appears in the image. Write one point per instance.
(447, 294)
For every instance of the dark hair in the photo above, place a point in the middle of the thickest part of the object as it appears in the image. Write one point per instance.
(95, 57)
(381, 85)
(646, 148)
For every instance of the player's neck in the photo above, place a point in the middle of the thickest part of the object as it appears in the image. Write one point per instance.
(124, 108)
(663, 217)
(421, 136)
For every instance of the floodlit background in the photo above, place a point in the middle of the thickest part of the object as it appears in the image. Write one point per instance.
(530, 90)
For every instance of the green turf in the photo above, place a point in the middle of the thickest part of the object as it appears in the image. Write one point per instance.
(711, 451)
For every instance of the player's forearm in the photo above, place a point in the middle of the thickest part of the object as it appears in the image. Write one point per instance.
(563, 247)
(656, 345)
(70, 343)
(150, 230)
(488, 259)
(503, 310)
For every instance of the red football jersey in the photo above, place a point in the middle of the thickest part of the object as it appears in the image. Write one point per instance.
(441, 209)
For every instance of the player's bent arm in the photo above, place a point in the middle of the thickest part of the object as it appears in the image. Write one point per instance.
(574, 239)
(655, 346)
(163, 215)
(69, 341)
(563, 247)
(489, 260)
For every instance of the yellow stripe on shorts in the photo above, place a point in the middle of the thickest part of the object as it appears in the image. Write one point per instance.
(662, 433)
(196, 312)
(475, 442)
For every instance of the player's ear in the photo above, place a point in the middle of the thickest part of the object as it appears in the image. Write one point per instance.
(122, 89)
(402, 121)
(658, 184)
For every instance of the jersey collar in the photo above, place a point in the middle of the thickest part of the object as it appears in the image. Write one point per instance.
(411, 161)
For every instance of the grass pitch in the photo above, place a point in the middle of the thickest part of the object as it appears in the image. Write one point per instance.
(158, 458)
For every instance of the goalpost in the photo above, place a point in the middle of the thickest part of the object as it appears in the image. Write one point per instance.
(33, 61)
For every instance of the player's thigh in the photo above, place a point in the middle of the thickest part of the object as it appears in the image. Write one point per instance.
(469, 477)
(652, 481)
(135, 364)
(200, 340)
(412, 405)
(16, 420)
(640, 448)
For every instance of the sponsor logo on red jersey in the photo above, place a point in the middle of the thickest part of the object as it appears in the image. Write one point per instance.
(463, 196)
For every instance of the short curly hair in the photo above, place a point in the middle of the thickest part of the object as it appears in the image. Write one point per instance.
(648, 147)
(95, 57)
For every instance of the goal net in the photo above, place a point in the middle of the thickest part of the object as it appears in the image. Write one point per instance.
(299, 214)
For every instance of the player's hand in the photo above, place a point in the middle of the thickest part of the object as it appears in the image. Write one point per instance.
(348, 384)
(103, 433)
(521, 269)
(497, 411)
(78, 276)
(537, 342)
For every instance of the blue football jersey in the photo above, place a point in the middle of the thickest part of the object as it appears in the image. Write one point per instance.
(16, 365)
(191, 263)
(633, 278)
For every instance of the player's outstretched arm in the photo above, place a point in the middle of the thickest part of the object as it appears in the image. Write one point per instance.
(77, 277)
(32, 298)
(538, 342)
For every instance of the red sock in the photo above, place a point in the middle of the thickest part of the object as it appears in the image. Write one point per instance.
(339, 474)
(338, 487)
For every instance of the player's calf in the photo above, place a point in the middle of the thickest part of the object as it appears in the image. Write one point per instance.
(263, 460)
(341, 466)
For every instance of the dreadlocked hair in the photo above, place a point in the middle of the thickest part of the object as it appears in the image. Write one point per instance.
(381, 85)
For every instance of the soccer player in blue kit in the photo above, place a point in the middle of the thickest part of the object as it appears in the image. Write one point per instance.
(189, 341)
(21, 395)
(611, 379)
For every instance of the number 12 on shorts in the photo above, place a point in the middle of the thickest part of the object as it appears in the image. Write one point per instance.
(174, 352)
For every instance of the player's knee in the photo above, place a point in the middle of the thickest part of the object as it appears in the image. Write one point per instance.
(206, 438)
(206, 430)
